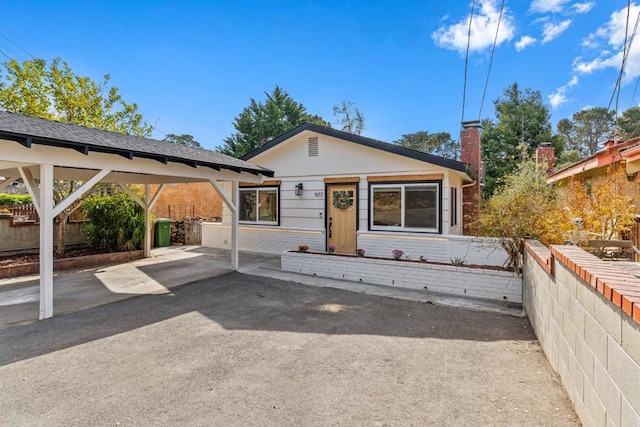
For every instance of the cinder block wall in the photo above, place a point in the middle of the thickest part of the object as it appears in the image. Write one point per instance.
(586, 315)
(18, 238)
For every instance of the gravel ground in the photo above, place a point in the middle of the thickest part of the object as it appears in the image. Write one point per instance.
(247, 350)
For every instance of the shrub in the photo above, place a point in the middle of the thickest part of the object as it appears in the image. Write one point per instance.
(303, 248)
(14, 199)
(397, 254)
(117, 223)
(360, 252)
(331, 249)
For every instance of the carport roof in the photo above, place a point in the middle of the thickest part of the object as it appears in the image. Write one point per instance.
(28, 130)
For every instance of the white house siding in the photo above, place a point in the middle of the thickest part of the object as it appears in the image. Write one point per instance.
(337, 159)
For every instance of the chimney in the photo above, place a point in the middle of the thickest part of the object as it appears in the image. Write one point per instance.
(545, 153)
(470, 153)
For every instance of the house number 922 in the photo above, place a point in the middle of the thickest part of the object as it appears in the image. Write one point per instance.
(319, 194)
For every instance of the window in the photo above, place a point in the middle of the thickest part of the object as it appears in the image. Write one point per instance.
(259, 205)
(454, 206)
(409, 207)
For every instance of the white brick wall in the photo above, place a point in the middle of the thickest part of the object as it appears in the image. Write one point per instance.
(439, 248)
(262, 239)
(591, 343)
(480, 283)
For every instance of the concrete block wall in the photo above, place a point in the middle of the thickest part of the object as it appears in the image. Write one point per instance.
(471, 282)
(262, 239)
(20, 237)
(576, 304)
(438, 248)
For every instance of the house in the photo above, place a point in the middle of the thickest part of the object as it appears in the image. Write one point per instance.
(595, 167)
(333, 188)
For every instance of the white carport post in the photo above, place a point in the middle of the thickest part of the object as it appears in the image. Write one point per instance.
(232, 204)
(46, 241)
(43, 201)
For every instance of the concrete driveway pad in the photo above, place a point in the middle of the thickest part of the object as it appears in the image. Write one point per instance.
(248, 350)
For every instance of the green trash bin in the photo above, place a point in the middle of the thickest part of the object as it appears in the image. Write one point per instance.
(163, 232)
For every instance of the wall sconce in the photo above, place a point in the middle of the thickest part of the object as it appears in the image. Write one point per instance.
(299, 189)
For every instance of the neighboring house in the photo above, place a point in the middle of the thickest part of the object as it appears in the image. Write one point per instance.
(333, 188)
(596, 166)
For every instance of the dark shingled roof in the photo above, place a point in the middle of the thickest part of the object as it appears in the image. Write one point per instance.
(28, 130)
(373, 143)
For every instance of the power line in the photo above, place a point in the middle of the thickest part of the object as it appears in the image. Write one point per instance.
(626, 49)
(17, 45)
(8, 57)
(493, 50)
(466, 61)
(634, 92)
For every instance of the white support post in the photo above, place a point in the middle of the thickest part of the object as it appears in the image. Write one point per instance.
(232, 204)
(235, 241)
(147, 221)
(46, 241)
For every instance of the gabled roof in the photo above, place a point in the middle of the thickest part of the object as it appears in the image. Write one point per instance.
(368, 142)
(28, 130)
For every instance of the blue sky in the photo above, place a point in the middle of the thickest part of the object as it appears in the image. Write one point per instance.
(192, 66)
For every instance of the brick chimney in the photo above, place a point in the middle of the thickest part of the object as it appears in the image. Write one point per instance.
(470, 153)
(545, 153)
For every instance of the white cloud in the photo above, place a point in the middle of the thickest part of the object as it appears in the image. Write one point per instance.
(524, 42)
(559, 97)
(483, 29)
(582, 7)
(612, 34)
(545, 6)
(550, 30)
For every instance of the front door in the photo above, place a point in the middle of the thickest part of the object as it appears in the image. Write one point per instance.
(342, 218)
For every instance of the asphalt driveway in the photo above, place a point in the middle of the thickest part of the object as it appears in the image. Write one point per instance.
(248, 350)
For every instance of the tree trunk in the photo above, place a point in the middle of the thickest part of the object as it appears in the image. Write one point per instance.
(62, 228)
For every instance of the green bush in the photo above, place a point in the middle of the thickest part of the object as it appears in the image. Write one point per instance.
(14, 199)
(116, 223)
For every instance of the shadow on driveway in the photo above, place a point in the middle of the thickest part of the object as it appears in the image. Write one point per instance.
(244, 302)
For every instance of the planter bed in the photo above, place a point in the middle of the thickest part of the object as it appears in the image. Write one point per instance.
(472, 281)
(16, 270)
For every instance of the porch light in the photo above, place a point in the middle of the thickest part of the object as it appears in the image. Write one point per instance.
(299, 189)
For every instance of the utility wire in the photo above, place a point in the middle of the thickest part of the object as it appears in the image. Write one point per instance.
(8, 57)
(493, 50)
(17, 45)
(626, 49)
(466, 60)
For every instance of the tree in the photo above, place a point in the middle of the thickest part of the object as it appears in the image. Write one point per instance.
(349, 117)
(504, 215)
(183, 139)
(629, 123)
(52, 91)
(604, 203)
(522, 124)
(587, 130)
(260, 122)
(439, 144)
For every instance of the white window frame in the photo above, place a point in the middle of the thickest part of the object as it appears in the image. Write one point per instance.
(403, 186)
(257, 190)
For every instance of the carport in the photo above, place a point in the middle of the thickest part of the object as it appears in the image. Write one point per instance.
(40, 151)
